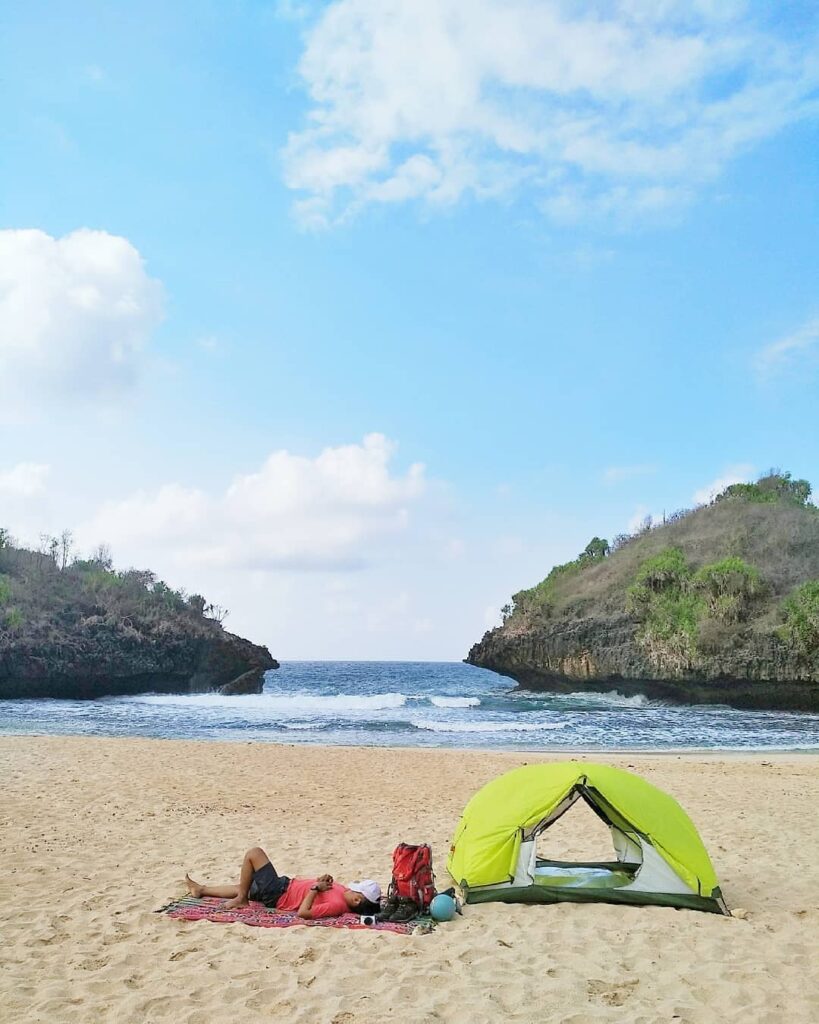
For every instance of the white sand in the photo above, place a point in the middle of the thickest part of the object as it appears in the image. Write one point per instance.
(97, 833)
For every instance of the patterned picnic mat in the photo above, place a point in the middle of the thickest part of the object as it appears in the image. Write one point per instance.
(189, 908)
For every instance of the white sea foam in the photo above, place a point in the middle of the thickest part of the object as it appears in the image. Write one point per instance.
(337, 704)
(455, 702)
(612, 697)
(285, 705)
(431, 726)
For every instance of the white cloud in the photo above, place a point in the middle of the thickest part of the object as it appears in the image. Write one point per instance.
(328, 512)
(784, 353)
(736, 474)
(616, 474)
(638, 519)
(596, 107)
(24, 480)
(76, 314)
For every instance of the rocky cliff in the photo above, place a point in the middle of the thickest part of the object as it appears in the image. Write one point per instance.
(82, 630)
(105, 659)
(718, 605)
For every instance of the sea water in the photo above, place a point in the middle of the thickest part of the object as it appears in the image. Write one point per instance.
(416, 704)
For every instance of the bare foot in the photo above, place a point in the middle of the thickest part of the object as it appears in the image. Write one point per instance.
(194, 888)
(234, 904)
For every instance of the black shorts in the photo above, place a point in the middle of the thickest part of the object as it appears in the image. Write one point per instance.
(267, 886)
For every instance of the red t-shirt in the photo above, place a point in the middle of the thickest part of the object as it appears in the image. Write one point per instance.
(326, 904)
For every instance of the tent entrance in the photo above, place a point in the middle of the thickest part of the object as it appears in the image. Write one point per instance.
(578, 836)
(572, 847)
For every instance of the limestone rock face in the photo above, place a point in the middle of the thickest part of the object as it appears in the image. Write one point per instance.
(101, 658)
(599, 654)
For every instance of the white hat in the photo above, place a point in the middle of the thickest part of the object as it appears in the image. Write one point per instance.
(367, 887)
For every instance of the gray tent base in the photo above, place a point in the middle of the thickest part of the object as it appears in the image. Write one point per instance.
(549, 894)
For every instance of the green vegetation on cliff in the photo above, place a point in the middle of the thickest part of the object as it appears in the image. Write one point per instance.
(801, 626)
(47, 588)
(774, 486)
(540, 597)
(676, 606)
(78, 626)
(727, 592)
(715, 561)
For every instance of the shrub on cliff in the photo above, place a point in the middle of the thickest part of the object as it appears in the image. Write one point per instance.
(596, 549)
(669, 608)
(678, 608)
(666, 572)
(773, 486)
(729, 588)
(802, 620)
(10, 617)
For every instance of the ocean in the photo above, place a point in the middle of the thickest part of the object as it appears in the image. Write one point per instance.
(416, 704)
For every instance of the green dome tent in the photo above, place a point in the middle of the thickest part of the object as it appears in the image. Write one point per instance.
(660, 857)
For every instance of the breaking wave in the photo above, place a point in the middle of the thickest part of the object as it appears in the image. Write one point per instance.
(455, 702)
(285, 705)
(474, 727)
(612, 698)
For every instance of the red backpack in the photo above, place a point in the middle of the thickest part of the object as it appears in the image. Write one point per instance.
(412, 876)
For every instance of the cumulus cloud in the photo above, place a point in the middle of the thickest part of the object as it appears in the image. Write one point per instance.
(624, 106)
(295, 512)
(24, 480)
(786, 352)
(76, 314)
(737, 474)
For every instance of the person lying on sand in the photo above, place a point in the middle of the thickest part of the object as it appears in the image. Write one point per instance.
(309, 897)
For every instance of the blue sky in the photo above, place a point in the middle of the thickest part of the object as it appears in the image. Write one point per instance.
(560, 257)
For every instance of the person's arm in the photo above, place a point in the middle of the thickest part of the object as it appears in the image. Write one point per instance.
(322, 885)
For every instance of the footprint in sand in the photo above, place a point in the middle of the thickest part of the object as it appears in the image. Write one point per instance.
(93, 963)
(611, 995)
(48, 940)
(180, 953)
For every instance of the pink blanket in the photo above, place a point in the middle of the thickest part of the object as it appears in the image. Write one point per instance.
(189, 908)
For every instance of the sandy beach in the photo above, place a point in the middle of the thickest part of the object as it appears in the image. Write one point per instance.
(97, 833)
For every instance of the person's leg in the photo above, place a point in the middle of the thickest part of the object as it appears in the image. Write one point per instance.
(236, 895)
(197, 890)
